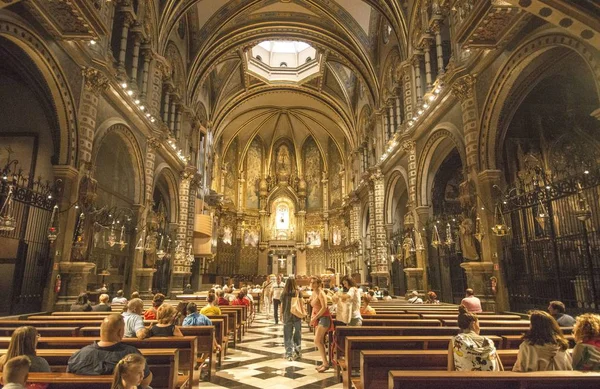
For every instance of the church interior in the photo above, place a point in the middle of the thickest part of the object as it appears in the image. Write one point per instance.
(167, 146)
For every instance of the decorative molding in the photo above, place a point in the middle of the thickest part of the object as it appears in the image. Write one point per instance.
(95, 80)
(464, 87)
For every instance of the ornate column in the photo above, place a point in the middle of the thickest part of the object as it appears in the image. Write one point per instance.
(392, 120)
(437, 29)
(172, 112)
(427, 49)
(398, 112)
(386, 124)
(147, 57)
(416, 63)
(405, 77)
(166, 104)
(135, 59)
(180, 269)
(127, 21)
(410, 148)
(464, 89)
(94, 83)
(160, 73)
(381, 275)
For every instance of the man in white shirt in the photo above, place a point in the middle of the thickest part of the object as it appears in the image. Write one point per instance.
(277, 290)
(134, 322)
(414, 298)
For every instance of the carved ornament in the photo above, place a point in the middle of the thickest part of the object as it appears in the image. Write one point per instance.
(463, 87)
(154, 143)
(408, 145)
(95, 80)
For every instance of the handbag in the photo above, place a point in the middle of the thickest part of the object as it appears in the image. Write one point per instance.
(298, 308)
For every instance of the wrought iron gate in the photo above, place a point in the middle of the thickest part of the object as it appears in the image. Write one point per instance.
(553, 251)
(33, 204)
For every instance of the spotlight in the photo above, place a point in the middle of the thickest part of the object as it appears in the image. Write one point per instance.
(137, 101)
(92, 42)
(123, 85)
(130, 92)
(142, 107)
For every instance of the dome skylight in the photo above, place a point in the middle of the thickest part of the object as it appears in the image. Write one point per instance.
(283, 61)
(284, 47)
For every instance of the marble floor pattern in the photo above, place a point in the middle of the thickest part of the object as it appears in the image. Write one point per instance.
(258, 362)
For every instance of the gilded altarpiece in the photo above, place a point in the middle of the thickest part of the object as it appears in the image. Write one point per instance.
(315, 256)
(335, 179)
(249, 251)
(230, 170)
(313, 168)
(254, 163)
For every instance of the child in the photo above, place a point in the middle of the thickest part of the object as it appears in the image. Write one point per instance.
(16, 370)
(129, 372)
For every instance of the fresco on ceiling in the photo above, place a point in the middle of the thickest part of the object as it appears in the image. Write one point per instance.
(313, 170)
(230, 170)
(335, 179)
(253, 165)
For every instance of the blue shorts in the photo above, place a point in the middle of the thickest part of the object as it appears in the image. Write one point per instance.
(325, 321)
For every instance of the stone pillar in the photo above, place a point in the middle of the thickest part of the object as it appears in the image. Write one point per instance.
(127, 21)
(74, 281)
(155, 93)
(422, 215)
(409, 147)
(407, 89)
(166, 105)
(437, 29)
(95, 82)
(464, 89)
(416, 63)
(414, 279)
(147, 57)
(398, 112)
(178, 116)
(144, 277)
(180, 270)
(381, 275)
(392, 120)
(427, 50)
(478, 279)
(172, 112)
(386, 124)
(135, 59)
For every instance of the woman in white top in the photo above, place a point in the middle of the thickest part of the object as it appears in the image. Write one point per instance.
(353, 297)
(544, 346)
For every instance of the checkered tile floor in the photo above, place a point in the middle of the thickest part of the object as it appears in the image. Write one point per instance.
(258, 362)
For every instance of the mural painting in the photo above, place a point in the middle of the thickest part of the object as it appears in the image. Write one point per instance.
(253, 164)
(230, 164)
(313, 168)
(335, 180)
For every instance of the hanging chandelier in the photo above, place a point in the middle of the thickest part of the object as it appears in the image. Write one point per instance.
(112, 236)
(419, 241)
(53, 227)
(478, 233)
(449, 241)
(583, 212)
(122, 242)
(140, 244)
(500, 228)
(435, 239)
(161, 253)
(7, 218)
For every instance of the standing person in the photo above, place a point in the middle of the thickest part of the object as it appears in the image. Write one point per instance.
(119, 299)
(557, 310)
(292, 325)
(103, 305)
(82, 304)
(544, 346)
(24, 342)
(586, 354)
(134, 322)
(157, 301)
(472, 303)
(277, 289)
(320, 319)
(15, 373)
(211, 307)
(352, 296)
(165, 326)
(129, 372)
(470, 351)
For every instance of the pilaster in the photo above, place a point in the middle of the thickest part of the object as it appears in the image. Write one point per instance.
(95, 82)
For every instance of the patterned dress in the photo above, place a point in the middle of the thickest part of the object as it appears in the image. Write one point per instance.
(472, 352)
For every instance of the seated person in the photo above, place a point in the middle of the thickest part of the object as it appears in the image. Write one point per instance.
(101, 357)
(365, 308)
(157, 301)
(557, 310)
(586, 354)
(15, 373)
(23, 342)
(414, 298)
(432, 298)
(222, 299)
(194, 318)
(129, 372)
(103, 305)
(165, 315)
(119, 299)
(134, 322)
(211, 307)
(471, 302)
(82, 304)
(544, 346)
(135, 295)
(241, 299)
(386, 295)
(469, 351)
(188, 289)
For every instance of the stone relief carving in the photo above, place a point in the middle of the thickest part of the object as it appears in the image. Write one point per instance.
(253, 170)
(312, 173)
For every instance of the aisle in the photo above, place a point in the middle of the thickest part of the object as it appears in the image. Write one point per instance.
(258, 362)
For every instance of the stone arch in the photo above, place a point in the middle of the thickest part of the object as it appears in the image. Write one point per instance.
(388, 77)
(164, 170)
(116, 126)
(509, 89)
(53, 75)
(178, 74)
(398, 175)
(440, 143)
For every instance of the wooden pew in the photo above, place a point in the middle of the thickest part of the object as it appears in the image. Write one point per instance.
(355, 344)
(398, 379)
(163, 363)
(92, 313)
(493, 323)
(71, 381)
(231, 325)
(50, 323)
(44, 331)
(241, 322)
(455, 317)
(376, 364)
(221, 323)
(513, 341)
(402, 322)
(405, 316)
(205, 336)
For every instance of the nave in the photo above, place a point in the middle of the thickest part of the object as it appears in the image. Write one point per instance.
(257, 362)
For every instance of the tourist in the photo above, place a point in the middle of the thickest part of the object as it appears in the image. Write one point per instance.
(241, 298)
(16, 371)
(24, 342)
(472, 303)
(82, 304)
(351, 297)
(469, 351)
(377, 292)
(229, 294)
(135, 295)
(211, 307)
(181, 312)
(586, 354)
(557, 310)
(129, 372)
(432, 298)
(277, 289)
(292, 325)
(165, 325)
(103, 305)
(222, 300)
(544, 347)
(195, 318)
(386, 295)
(414, 298)
(134, 322)
(119, 299)
(101, 357)
(157, 301)
(365, 308)
(320, 319)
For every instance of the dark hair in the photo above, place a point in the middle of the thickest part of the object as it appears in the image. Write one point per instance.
(317, 280)
(158, 299)
(191, 308)
(349, 280)
(120, 293)
(469, 292)
(82, 299)
(211, 297)
(385, 292)
(290, 286)
(465, 318)
(121, 367)
(558, 306)
(544, 329)
(135, 295)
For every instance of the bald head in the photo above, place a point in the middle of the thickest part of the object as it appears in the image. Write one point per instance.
(135, 306)
(112, 328)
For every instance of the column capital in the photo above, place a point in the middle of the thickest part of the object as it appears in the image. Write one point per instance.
(463, 87)
(128, 19)
(154, 143)
(65, 172)
(94, 80)
(408, 145)
(490, 176)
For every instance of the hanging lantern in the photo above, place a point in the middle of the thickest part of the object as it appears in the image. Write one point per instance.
(7, 218)
(112, 237)
(419, 239)
(478, 234)
(53, 228)
(500, 228)
(122, 242)
(583, 212)
(190, 256)
(435, 239)
(542, 215)
(449, 241)
(140, 244)
(160, 253)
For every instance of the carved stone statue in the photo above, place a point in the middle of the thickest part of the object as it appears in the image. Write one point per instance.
(467, 240)
(283, 160)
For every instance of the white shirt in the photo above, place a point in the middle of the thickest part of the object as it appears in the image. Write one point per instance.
(14, 386)
(277, 290)
(354, 294)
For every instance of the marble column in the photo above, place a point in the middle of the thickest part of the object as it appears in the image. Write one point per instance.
(427, 50)
(464, 89)
(398, 112)
(437, 29)
(147, 57)
(180, 270)
(379, 255)
(74, 281)
(135, 59)
(416, 63)
(166, 105)
(392, 120)
(172, 113)
(127, 21)
(407, 89)
(95, 83)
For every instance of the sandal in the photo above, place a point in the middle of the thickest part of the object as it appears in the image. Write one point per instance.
(323, 368)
